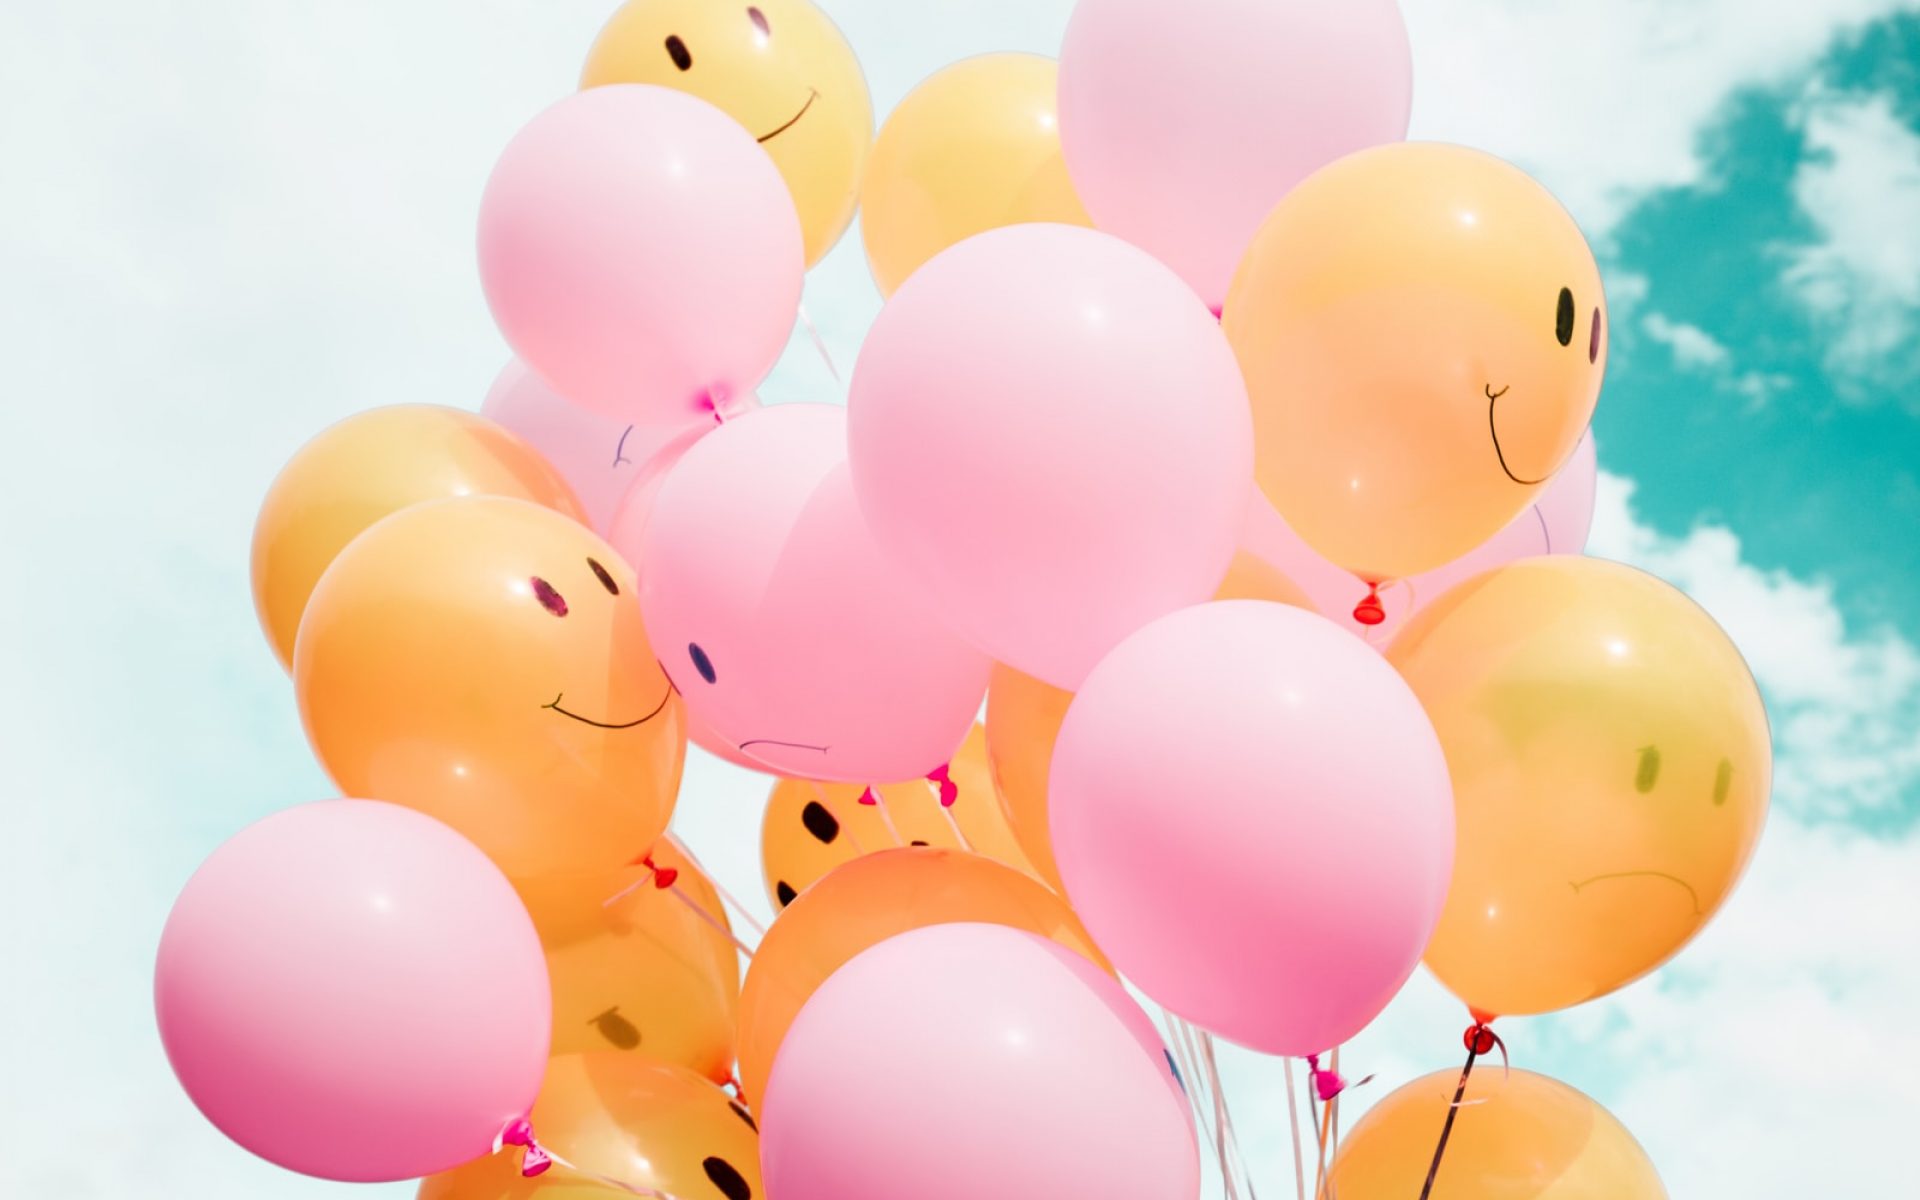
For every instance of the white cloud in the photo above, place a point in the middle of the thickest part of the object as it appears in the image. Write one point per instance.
(1860, 279)
(1693, 348)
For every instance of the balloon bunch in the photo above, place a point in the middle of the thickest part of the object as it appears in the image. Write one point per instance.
(1230, 448)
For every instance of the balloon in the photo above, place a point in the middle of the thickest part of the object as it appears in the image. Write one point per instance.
(646, 974)
(810, 827)
(1183, 124)
(628, 1121)
(973, 147)
(1024, 715)
(482, 660)
(1611, 765)
(867, 901)
(1000, 1065)
(1018, 396)
(1516, 1136)
(779, 621)
(371, 464)
(601, 457)
(1250, 812)
(1556, 523)
(640, 253)
(1422, 332)
(351, 990)
(779, 68)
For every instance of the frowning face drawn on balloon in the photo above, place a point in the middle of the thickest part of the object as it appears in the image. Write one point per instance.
(484, 660)
(775, 616)
(779, 67)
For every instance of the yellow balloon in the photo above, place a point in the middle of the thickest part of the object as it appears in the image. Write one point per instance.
(810, 828)
(780, 68)
(365, 467)
(1024, 716)
(647, 974)
(483, 661)
(867, 901)
(1516, 1136)
(974, 147)
(1423, 335)
(644, 1124)
(1611, 766)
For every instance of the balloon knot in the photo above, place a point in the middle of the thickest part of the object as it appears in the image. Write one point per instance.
(534, 1160)
(949, 790)
(1326, 1084)
(868, 798)
(663, 877)
(1481, 1039)
(1370, 611)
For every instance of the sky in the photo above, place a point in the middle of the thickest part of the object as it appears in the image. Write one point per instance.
(225, 224)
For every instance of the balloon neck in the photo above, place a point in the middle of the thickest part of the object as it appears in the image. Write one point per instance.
(1481, 1039)
(949, 790)
(1370, 611)
(534, 1160)
(663, 877)
(1326, 1084)
(868, 798)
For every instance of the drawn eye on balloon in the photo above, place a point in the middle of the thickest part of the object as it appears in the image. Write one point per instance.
(701, 662)
(619, 1032)
(1647, 773)
(727, 1178)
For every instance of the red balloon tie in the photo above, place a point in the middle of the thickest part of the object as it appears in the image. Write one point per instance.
(868, 798)
(534, 1160)
(949, 790)
(1370, 611)
(1326, 1084)
(663, 877)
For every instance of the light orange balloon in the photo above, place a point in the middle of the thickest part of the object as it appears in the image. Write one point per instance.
(867, 901)
(975, 146)
(1611, 765)
(1024, 716)
(482, 660)
(647, 974)
(1516, 1136)
(810, 828)
(780, 68)
(1423, 335)
(365, 467)
(645, 1124)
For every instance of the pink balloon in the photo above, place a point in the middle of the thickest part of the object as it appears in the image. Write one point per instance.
(1184, 123)
(642, 253)
(352, 990)
(1556, 523)
(1252, 815)
(1050, 433)
(600, 457)
(961, 1061)
(793, 641)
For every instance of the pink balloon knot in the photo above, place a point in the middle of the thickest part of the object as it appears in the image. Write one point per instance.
(534, 1160)
(868, 798)
(1326, 1084)
(949, 790)
(663, 877)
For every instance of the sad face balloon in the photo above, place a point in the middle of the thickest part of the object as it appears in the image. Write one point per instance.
(1423, 336)
(776, 617)
(482, 660)
(1611, 766)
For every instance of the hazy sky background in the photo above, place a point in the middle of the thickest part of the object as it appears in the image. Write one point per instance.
(226, 223)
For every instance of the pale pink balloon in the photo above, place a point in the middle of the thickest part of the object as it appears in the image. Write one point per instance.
(1252, 815)
(1184, 123)
(955, 1062)
(1050, 434)
(600, 457)
(641, 252)
(1556, 523)
(794, 642)
(352, 990)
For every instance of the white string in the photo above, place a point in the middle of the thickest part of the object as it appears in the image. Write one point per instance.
(959, 836)
(1189, 1078)
(1293, 1119)
(701, 912)
(820, 793)
(880, 802)
(1228, 1133)
(740, 910)
(819, 344)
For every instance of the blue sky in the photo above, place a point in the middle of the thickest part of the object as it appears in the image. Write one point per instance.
(224, 225)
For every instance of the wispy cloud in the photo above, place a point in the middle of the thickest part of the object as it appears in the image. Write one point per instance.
(1693, 348)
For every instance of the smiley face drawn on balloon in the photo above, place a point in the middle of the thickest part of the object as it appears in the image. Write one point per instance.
(778, 620)
(483, 660)
(779, 67)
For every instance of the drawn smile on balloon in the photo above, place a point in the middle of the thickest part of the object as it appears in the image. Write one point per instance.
(812, 95)
(1493, 426)
(742, 747)
(1692, 895)
(555, 706)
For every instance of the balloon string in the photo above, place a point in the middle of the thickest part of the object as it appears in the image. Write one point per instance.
(820, 794)
(1220, 1124)
(937, 786)
(1190, 1080)
(1480, 1040)
(819, 344)
(700, 910)
(1293, 1120)
(1226, 1109)
(1336, 1117)
(631, 888)
(872, 798)
(728, 898)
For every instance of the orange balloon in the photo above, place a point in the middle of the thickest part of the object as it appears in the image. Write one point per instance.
(810, 828)
(644, 1124)
(1024, 716)
(647, 974)
(365, 467)
(1516, 1136)
(482, 660)
(1423, 335)
(1610, 762)
(867, 901)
